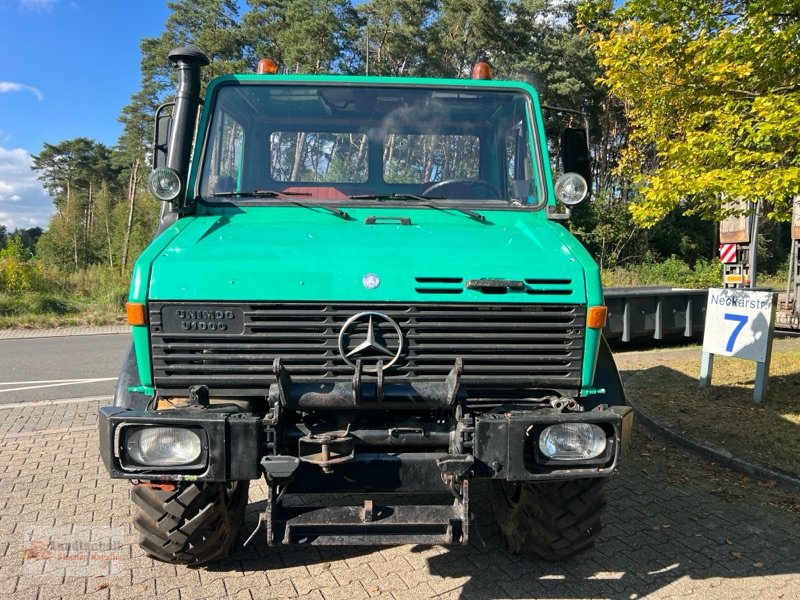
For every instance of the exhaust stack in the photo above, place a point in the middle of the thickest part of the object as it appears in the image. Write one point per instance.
(188, 61)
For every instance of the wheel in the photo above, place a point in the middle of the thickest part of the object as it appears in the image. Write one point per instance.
(549, 521)
(472, 189)
(194, 524)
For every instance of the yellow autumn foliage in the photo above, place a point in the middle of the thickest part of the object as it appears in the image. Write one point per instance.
(711, 90)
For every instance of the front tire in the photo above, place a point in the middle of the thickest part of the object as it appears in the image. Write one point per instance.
(192, 525)
(551, 521)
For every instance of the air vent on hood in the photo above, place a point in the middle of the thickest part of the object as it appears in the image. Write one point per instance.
(439, 285)
(549, 287)
(533, 286)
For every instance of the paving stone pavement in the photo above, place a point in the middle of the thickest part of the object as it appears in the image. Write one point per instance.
(677, 526)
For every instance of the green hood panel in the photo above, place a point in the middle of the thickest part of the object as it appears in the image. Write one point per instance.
(309, 254)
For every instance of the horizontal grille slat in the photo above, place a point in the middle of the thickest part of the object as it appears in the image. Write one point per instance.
(502, 345)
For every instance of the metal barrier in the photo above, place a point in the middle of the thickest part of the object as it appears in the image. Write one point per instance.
(654, 313)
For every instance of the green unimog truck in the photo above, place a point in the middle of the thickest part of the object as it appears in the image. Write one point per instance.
(360, 292)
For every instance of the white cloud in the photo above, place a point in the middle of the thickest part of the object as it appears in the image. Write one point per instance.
(37, 5)
(23, 201)
(12, 86)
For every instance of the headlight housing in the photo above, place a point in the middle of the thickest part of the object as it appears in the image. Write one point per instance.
(145, 447)
(572, 441)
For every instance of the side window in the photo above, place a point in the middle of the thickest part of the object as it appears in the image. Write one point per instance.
(411, 158)
(227, 145)
(519, 173)
(518, 160)
(318, 157)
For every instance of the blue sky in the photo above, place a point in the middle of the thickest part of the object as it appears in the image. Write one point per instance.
(67, 67)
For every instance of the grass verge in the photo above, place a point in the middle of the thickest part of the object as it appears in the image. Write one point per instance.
(724, 415)
(36, 310)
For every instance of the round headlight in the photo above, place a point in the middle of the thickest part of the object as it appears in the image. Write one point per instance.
(164, 183)
(572, 189)
(163, 446)
(572, 441)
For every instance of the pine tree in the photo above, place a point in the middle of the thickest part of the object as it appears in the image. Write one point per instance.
(306, 36)
(464, 32)
(72, 171)
(393, 36)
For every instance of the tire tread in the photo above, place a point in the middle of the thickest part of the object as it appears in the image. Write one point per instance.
(551, 521)
(194, 524)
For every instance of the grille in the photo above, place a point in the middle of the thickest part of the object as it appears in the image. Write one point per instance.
(501, 345)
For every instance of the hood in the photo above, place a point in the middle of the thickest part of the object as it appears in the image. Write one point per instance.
(310, 254)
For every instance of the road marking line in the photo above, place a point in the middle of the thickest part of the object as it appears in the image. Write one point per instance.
(49, 385)
(54, 402)
(43, 381)
(11, 436)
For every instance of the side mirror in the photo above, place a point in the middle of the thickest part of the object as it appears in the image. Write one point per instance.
(162, 135)
(575, 156)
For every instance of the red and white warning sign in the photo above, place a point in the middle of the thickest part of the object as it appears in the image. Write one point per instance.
(727, 253)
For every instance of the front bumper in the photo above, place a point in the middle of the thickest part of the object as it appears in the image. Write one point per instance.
(499, 446)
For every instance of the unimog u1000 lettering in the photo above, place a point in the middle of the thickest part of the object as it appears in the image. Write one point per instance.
(359, 293)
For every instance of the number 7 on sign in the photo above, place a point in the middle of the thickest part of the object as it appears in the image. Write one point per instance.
(740, 321)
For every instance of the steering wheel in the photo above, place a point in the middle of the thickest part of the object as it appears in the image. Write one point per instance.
(473, 189)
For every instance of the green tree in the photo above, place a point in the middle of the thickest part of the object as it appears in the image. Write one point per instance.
(305, 36)
(211, 25)
(546, 47)
(607, 230)
(396, 33)
(464, 32)
(27, 237)
(261, 26)
(712, 93)
(214, 27)
(72, 172)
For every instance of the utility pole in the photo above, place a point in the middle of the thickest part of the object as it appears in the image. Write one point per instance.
(754, 245)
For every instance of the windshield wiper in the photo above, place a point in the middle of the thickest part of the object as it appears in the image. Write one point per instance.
(400, 197)
(259, 194)
(331, 209)
(427, 200)
(277, 194)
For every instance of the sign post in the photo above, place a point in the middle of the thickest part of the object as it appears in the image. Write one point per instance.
(734, 245)
(739, 323)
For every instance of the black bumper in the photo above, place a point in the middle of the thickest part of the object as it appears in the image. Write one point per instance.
(501, 448)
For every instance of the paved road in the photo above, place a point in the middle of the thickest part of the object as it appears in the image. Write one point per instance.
(677, 526)
(60, 367)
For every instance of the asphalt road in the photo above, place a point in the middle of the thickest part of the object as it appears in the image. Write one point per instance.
(60, 367)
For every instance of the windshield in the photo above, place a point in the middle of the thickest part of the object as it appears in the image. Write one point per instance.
(363, 143)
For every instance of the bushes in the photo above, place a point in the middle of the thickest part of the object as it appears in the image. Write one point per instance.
(671, 272)
(674, 272)
(33, 295)
(101, 284)
(18, 273)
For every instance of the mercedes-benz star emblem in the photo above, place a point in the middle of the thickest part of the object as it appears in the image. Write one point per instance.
(371, 337)
(371, 281)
